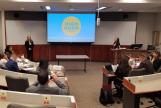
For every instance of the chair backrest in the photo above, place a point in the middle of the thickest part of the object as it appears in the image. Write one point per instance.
(17, 83)
(137, 72)
(25, 106)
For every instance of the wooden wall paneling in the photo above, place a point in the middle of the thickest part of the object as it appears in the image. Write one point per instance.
(62, 49)
(52, 53)
(36, 53)
(44, 52)
(49, 51)
(19, 49)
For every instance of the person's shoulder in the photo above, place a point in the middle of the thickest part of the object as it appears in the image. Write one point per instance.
(32, 89)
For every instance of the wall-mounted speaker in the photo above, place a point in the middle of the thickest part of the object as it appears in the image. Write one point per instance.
(98, 21)
(16, 15)
(125, 16)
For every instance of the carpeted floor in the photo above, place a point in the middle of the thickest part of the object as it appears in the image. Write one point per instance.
(86, 86)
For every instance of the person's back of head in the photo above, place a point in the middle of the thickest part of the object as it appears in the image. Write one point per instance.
(43, 76)
(8, 48)
(124, 61)
(43, 64)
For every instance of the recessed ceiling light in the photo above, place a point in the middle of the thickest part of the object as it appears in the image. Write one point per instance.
(71, 9)
(27, 0)
(134, 1)
(120, 10)
(101, 8)
(22, 8)
(47, 7)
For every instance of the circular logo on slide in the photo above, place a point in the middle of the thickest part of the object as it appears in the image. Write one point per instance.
(71, 26)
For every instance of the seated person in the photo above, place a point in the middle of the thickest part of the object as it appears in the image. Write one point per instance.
(3, 61)
(155, 59)
(43, 85)
(12, 64)
(121, 72)
(8, 51)
(146, 63)
(43, 64)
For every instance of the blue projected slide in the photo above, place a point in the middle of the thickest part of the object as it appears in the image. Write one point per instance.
(67, 27)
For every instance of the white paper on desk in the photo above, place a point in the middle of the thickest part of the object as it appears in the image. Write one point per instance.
(26, 60)
(27, 69)
(58, 68)
(114, 67)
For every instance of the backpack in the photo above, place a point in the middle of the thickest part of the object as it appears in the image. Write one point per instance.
(105, 97)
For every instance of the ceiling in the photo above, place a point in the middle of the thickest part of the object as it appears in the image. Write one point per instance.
(82, 5)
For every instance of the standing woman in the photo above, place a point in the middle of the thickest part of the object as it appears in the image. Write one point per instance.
(29, 44)
(116, 44)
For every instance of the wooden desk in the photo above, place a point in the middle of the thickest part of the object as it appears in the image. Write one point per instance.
(107, 79)
(31, 68)
(119, 53)
(73, 57)
(31, 78)
(134, 86)
(3, 73)
(34, 99)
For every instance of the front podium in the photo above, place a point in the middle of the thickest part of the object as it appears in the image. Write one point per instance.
(135, 86)
(119, 53)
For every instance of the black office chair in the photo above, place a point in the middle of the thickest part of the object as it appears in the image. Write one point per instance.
(157, 100)
(23, 106)
(137, 72)
(17, 83)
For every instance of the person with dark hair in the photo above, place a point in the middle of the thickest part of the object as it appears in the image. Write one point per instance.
(29, 45)
(8, 51)
(43, 64)
(116, 44)
(122, 71)
(3, 61)
(155, 59)
(44, 87)
(147, 64)
(12, 64)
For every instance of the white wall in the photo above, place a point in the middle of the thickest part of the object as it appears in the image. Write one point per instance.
(158, 22)
(2, 31)
(146, 23)
(1, 45)
(145, 27)
(158, 26)
(110, 30)
(17, 31)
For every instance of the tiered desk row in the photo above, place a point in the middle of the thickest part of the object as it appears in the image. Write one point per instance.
(33, 99)
(135, 86)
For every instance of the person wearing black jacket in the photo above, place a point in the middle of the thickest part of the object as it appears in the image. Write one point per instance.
(29, 45)
(122, 71)
(116, 44)
(155, 59)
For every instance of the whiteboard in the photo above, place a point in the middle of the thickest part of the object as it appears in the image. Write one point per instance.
(108, 31)
(17, 31)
